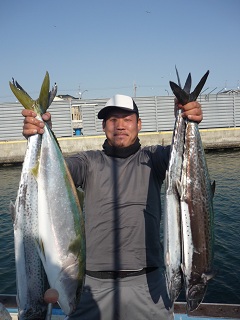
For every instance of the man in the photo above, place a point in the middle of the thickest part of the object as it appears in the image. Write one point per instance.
(125, 277)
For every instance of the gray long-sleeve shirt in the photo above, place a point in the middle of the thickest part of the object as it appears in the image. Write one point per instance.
(122, 207)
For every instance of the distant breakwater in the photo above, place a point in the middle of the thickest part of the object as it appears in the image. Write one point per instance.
(224, 138)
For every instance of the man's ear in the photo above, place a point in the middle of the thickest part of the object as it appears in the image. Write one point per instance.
(103, 125)
(139, 124)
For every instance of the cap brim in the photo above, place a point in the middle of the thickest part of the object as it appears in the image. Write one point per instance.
(103, 113)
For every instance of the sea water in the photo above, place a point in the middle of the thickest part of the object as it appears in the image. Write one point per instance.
(224, 168)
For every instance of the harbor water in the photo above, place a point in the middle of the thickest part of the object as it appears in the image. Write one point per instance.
(224, 168)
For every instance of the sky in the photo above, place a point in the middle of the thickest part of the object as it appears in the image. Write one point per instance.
(98, 48)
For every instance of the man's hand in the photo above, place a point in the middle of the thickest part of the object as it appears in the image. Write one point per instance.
(31, 125)
(192, 111)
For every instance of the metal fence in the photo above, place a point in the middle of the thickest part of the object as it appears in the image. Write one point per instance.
(156, 112)
(11, 120)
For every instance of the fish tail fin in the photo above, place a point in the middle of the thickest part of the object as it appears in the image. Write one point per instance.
(188, 83)
(52, 94)
(179, 82)
(180, 94)
(45, 97)
(21, 95)
(199, 87)
(183, 95)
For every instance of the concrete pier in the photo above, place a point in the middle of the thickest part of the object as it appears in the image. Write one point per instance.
(224, 138)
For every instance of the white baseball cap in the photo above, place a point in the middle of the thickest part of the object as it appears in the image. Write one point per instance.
(118, 101)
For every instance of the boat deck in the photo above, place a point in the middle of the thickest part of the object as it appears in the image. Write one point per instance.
(207, 311)
(58, 315)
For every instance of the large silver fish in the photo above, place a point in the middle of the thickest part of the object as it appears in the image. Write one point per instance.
(30, 275)
(172, 218)
(196, 194)
(197, 218)
(61, 235)
(61, 239)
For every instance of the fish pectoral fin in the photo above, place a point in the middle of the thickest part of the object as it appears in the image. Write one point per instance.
(196, 251)
(207, 276)
(35, 170)
(75, 246)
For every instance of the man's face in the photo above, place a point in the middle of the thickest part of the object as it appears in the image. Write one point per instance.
(121, 128)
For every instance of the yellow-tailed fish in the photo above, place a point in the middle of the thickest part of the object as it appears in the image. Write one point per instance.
(60, 240)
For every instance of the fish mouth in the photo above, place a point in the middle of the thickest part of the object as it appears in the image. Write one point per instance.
(175, 286)
(195, 296)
